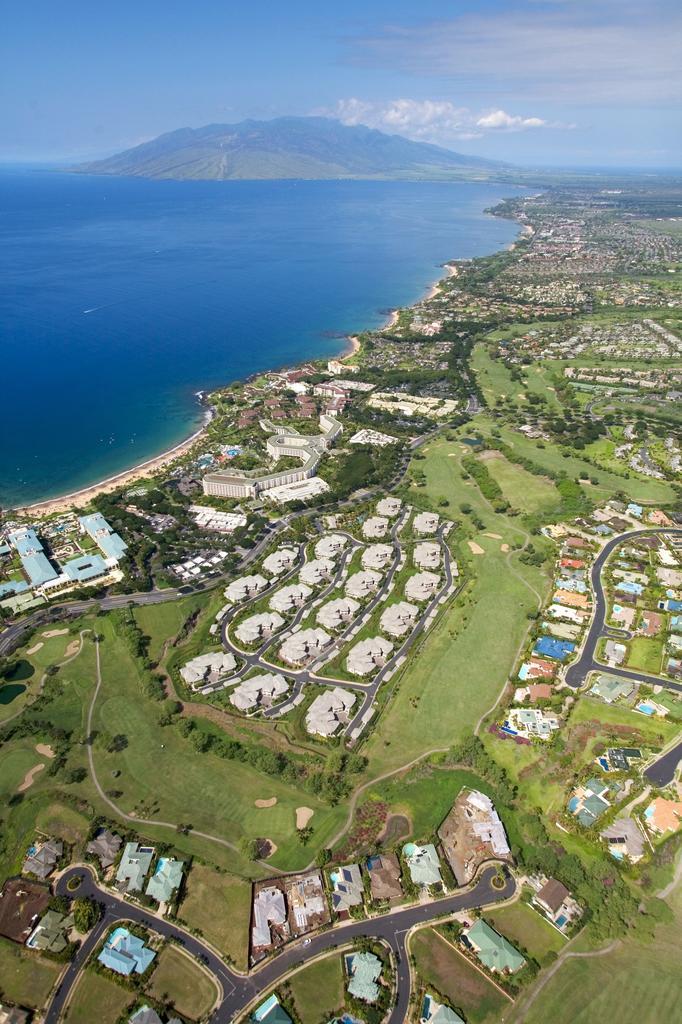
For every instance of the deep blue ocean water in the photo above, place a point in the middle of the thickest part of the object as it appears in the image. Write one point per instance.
(121, 298)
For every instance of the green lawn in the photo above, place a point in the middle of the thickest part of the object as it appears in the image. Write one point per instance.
(656, 731)
(441, 967)
(635, 982)
(178, 980)
(161, 622)
(219, 906)
(318, 992)
(97, 998)
(645, 654)
(26, 978)
(525, 928)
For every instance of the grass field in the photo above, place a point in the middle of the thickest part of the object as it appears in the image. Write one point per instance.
(26, 978)
(219, 905)
(161, 622)
(468, 991)
(636, 982)
(656, 731)
(97, 998)
(525, 928)
(523, 490)
(646, 653)
(318, 991)
(178, 980)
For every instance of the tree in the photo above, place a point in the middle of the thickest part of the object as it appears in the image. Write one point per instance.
(86, 914)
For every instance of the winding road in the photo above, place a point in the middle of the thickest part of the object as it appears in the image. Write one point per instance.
(238, 991)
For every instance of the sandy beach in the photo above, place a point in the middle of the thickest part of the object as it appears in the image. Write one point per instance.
(143, 470)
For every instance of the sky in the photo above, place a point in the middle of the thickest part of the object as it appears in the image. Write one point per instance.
(539, 83)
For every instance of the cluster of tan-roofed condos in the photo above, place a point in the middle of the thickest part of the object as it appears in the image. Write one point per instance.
(337, 614)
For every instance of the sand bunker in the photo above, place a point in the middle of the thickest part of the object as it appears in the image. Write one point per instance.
(504, 547)
(271, 851)
(266, 803)
(35, 648)
(44, 750)
(55, 632)
(303, 816)
(29, 778)
(73, 648)
(495, 536)
(475, 548)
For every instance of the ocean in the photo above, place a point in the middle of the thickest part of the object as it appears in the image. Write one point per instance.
(121, 298)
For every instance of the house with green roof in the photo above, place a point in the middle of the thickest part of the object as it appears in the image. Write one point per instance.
(270, 1012)
(165, 880)
(434, 1012)
(423, 863)
(364, 971)
(589, 801)
(52, 933)
(612, 688)
(492, 949)
(133, 866)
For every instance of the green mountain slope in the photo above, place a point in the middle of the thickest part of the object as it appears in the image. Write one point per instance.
(288, 147)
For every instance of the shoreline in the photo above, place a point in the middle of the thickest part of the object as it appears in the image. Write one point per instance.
(151, 466)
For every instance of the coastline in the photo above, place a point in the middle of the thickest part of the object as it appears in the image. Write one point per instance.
(151, 466)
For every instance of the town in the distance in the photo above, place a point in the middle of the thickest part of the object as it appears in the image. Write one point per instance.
(365, 705)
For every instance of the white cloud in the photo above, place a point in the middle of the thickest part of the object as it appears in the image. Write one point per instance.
(598, 52)
(438, 121)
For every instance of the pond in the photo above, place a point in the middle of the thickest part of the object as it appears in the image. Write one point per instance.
(11, 692)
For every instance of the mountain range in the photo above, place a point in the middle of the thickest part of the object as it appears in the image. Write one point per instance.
(289, 147)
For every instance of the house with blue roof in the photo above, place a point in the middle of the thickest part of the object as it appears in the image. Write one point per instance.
(630, 587)
(635, 510)
(670, 605)
(271, 1012)
(34, 561)
(676, 623)
(85, 568)
(112, 546)
(551, 647)
(165, 880)
(126, 953)
(589, 801)
(13, 587)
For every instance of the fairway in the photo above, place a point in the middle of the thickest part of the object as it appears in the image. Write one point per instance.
(468, 991)
(97, 998)
(177, 979)
(318, 991)
(219, 907)
(523, 490)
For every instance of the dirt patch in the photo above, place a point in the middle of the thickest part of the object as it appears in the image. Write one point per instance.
(44, 750)
(29, 778)
(55, 632)
(490, 455)
(35, 648)
(504, 547)
(495, 536)
(303, 816)
(73, 648)
(475, 548)
(270, 802)
(397, 827)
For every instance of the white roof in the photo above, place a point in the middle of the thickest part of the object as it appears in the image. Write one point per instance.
(290, 597)
(422, 586)
(316, 570)
(426, 522)
(398, 618)
(427, 554)
(208, 667)
(329, 711)
(376, 556)
(257, 626)
(360, 584)
(330, 545)
(375, 526)
(262, 689)
(389, 507)
(336, 613)
(279, 560)
(245, 586)
(268, 908)
(303, 645)
(369, 655)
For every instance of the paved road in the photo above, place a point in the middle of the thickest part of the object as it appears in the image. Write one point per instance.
(239, 990)
(578, 671)
(662, 771)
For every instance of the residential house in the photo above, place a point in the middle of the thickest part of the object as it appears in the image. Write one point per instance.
(52, 933)
(271, 1012)
(125, 953)
(614, 652)
(347, 888)
(492, 949)
(289, 598)
(663, 815)
(398, 619)
(330, 545)
(557, 904)
(304, 645)
(376, 556)
(389, 507)
(269, 908)
(571, 600)
(531, 723)
(208, 668)
(364, 971)
(166, 879)
(537, 668)
(133, 867)
(427, 555)
(22, 902)
(361, 584)
(425, 523)
(244, 588)
(375, 527)
(261, 691)
(384, 877)
(258, 627)
(422, 863)
(589, 801)
(329, 711)
(612, 688)
(280, 560)
(43, 859)
(433, 1012)
(13, 1014)
(624, 840)
(550, 647)
(338, 613)
(422, 586)
(105, 847)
